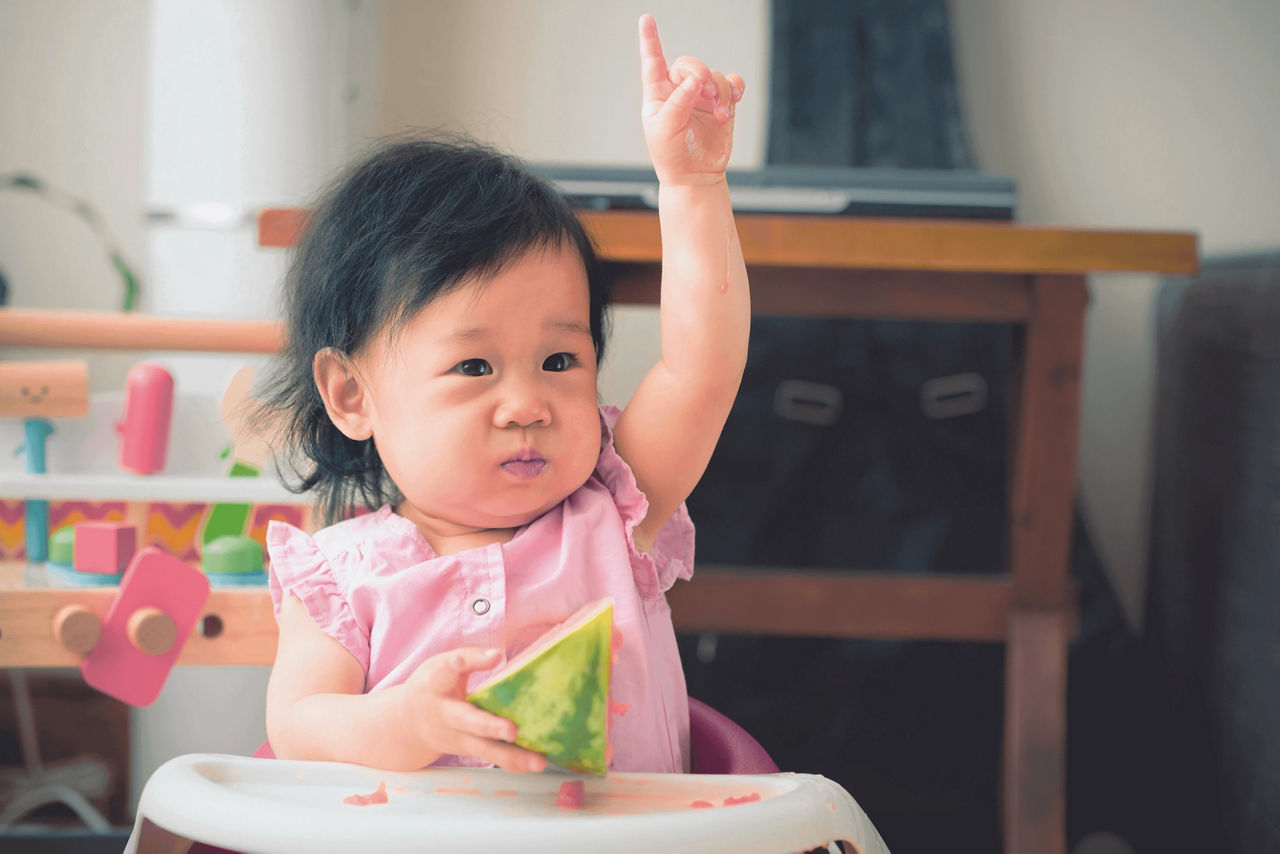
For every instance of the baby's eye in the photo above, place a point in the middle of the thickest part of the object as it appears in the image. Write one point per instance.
(473, 368)
(558, 362)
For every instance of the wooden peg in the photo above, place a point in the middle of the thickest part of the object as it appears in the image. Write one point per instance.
(151, 630)
(77, 628)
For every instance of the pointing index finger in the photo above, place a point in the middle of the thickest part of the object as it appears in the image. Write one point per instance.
(653, 66)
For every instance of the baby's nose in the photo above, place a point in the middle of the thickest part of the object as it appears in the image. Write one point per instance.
(523, 407)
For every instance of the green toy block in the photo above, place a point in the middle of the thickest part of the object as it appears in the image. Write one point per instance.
(62, 546)
(231, 555)
(228, 519)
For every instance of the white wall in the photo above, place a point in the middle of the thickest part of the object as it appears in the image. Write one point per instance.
(558, 81)
(1147, 114)
(71, 101)
(70, 113)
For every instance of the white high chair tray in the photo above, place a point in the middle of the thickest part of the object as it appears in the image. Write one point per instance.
(273, 805)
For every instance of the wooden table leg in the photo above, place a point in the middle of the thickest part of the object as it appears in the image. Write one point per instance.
(1042, 503)
(1035, 731)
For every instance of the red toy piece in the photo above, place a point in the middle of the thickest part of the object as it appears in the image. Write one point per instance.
(146, 626)
(104, 547)
(148, 408)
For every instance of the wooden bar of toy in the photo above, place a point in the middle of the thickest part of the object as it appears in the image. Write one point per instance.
(50, 389)
(146, 625)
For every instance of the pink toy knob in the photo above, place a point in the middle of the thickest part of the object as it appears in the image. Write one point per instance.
(148, 407)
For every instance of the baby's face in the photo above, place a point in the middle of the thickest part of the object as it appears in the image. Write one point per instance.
(484, 407)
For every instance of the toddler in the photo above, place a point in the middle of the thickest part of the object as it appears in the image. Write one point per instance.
(446, 318)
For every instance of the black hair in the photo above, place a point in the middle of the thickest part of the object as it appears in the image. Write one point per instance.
(406, 224)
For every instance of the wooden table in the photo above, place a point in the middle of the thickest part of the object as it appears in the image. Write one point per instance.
(811, 266)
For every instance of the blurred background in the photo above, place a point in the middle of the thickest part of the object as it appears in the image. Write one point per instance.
(175, 121)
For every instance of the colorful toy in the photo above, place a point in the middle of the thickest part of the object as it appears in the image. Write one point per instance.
(146, 625)
(62, 547)
(37, 391)
(61, 563)
(233, 560)
(77, 628)
(250, 438)
(36, 431)
(556, 691)
(44, 389)
(104, 547)
(148, 409)
(249, 452)
(228, 518)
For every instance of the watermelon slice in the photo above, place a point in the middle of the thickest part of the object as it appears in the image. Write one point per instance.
(557, 691)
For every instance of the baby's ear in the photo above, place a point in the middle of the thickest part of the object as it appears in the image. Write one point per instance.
(343, 390)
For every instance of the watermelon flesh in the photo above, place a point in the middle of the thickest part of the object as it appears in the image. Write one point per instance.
(556, 691)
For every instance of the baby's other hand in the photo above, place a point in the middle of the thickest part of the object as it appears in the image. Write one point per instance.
(687, 114)
(436, 715)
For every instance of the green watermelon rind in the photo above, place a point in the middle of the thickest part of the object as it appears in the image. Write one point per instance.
(559, 698)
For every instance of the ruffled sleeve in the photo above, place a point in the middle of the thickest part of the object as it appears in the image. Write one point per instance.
(298, 566)
(672, 554)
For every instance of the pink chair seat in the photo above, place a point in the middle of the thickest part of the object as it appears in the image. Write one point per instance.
(720, 746)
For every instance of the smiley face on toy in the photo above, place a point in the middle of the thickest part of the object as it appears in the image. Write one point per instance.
(44, 389)
(34, 397)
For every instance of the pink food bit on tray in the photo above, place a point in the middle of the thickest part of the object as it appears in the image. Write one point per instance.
(376, 797)
(745, 799)
(572, 795)
(616, 708)
(701, 805)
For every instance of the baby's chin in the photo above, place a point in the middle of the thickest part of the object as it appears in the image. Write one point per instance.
(518, 517)
(490, 518)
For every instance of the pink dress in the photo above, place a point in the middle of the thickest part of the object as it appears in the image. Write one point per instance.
(374, 585)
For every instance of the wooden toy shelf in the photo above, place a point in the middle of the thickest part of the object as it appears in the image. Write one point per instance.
(819, 266)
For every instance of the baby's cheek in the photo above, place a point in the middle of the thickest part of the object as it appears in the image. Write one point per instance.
(588, 436)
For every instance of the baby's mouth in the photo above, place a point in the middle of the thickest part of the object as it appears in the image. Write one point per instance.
(525, 467)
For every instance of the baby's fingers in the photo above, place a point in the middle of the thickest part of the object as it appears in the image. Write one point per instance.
(690, 66)
(675, 111)
(472, 720)
(653, 66)
(506, 756)
(737, 85)
(447, 669)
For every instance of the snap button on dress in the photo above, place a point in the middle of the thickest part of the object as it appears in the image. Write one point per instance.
(480, 607)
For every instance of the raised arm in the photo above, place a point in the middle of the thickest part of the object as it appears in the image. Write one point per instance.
(670, 427)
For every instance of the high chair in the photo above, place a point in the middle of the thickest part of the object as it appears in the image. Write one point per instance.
(733, 801)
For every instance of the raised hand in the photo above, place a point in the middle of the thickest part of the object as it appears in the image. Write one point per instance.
(436, 715)
(687, 113)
